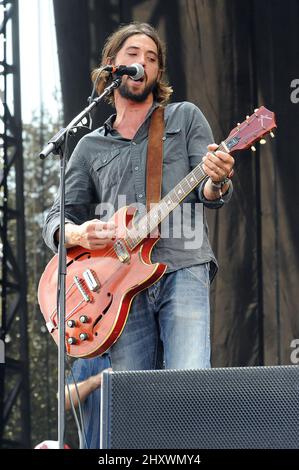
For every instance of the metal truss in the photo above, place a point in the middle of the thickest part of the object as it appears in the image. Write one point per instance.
(14, 374)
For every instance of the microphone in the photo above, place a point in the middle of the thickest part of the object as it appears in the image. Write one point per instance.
(134, 71)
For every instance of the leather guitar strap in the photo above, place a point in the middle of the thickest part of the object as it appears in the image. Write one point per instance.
(154, 157)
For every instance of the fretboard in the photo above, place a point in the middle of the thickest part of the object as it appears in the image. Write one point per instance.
(161, 210)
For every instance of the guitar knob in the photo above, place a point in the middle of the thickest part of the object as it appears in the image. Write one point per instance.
(71, 323)
(83, 336)
(83, 319)
(71, 340)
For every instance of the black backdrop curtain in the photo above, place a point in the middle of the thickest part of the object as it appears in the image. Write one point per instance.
(228, 57)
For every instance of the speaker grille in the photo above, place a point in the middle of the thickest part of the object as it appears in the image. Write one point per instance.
(250, 407)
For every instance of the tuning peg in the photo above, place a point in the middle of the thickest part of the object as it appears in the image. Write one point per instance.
(238, 124)
(263, 141)
(247, 117)
(256, 109)
(272, 134)
(253, 148)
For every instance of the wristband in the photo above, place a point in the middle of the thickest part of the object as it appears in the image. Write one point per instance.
(218, 185)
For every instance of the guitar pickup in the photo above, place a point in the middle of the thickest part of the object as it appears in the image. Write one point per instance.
(121, 251)
(91, 280)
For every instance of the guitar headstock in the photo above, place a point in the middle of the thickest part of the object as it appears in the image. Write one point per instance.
(256, 126)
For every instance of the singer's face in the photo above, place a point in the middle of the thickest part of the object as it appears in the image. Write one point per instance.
(140, 49)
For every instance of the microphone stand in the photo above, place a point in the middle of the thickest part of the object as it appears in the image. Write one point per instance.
(55, 146)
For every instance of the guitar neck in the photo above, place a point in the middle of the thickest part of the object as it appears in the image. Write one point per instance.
(161, 210)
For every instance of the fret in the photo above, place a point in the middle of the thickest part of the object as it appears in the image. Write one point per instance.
(163, 204)
(157, 214)
(130, 241)
(142, 232)
(175, 198)
(168, 201)
(179, 191)
(190, 180)
(135, 235)
(222, 146)
(131, 238)
(199, 173)
(153, 215)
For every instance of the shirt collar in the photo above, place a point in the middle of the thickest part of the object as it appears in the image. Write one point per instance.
(108, 124)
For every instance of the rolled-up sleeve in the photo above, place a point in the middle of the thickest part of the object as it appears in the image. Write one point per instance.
(216, 203)
(199, 136)
(78, 198)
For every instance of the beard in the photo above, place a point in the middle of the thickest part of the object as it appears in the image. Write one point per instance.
(125, 92)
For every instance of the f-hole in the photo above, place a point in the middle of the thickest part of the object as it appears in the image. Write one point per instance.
(104, 311)
(87, 254)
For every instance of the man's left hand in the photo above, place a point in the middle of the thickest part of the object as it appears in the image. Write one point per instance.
(218, 165)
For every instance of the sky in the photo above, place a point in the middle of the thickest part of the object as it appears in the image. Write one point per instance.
(38, 55)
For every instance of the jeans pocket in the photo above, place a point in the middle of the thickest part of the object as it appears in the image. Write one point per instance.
(201, 273)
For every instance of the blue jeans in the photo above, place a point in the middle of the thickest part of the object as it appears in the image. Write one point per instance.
(174, 311)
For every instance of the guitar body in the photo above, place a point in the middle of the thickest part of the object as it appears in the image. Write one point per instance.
(99, 313)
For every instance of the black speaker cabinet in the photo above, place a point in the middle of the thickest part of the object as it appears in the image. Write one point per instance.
(225, 408)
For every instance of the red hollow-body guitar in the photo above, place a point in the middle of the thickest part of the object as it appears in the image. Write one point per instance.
(101, 284)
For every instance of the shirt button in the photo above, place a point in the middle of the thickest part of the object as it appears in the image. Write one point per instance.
(140, 196)
(164, 138)
(136, 168)
(133, 143)
(105, 159)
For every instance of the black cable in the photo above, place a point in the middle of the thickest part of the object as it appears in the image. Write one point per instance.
(80, 426)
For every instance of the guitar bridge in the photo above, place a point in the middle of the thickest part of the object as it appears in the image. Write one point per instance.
(122, 251)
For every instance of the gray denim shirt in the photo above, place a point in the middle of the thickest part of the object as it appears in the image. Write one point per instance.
(107, 171)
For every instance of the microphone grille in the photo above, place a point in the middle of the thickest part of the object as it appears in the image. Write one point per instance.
(140, 71)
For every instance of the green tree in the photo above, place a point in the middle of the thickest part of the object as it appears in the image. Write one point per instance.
(41, 181)
(40, 185)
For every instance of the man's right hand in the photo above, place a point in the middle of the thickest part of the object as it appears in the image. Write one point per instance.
(93, 234)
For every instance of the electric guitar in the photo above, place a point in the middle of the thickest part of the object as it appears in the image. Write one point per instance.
(101, 284)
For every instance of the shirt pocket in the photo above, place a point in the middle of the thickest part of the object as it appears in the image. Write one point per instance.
(107, 168)
(173, 145)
